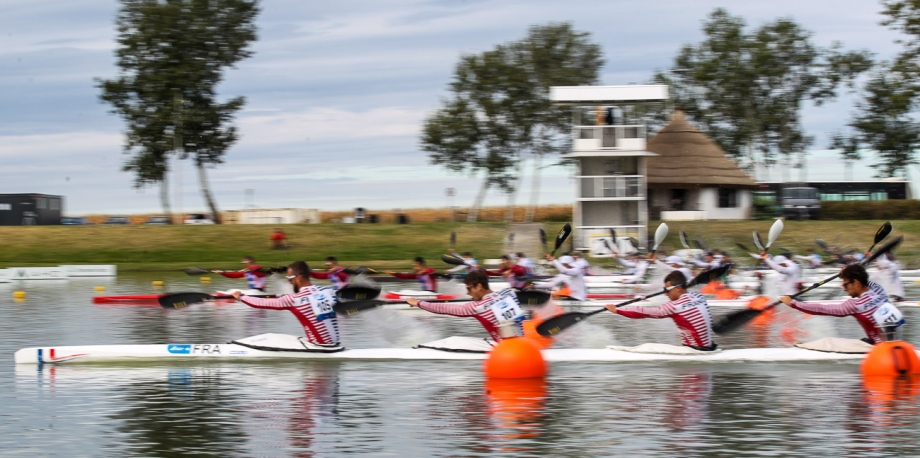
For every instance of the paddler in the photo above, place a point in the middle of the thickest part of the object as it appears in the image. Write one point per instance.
(492, 309)
(421, 272)
(515, 274)
(251, 271)
(672, 263)
(868, 303)
(334, 273)
(469, 263)
(571, 273)
(312, 305)
(688, 309)
(788, 270)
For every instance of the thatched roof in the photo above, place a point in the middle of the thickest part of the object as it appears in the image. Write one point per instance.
(687, 158)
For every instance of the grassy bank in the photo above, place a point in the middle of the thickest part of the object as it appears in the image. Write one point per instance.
(376, 245)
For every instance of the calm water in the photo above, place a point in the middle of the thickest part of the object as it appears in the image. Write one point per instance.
(421, 408)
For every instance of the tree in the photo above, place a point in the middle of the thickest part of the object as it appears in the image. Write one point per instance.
(171, 56)
(500, 110)
(746, 90)
(884, 120)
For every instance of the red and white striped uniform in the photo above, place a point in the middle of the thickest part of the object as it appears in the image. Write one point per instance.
(690, 313)
(861, 308)
(480, 309)
(336, 275)
(321, 332)
(426, 277)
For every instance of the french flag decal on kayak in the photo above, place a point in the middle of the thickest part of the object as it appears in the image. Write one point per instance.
(53, 358)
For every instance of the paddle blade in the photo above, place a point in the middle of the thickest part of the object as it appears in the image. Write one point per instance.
(453, 239)
(757, 242)
(452, 260)
(195, 271)
(882, 232)
(887, 247)
(543, 239)
(743, 248)
(710, 275)
(701, 244)
(683, 239)
(821, 243)
(609, 246)
(775, 230)
(562, 236)
(735, 320)
(359, 270)
(181, 300)
(557, 324)
(532, 296)
(660, 234)
(355, 307)
(357, 292)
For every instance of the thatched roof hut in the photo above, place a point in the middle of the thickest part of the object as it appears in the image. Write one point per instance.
(687, 158)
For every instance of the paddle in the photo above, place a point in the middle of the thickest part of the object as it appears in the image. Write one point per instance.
(613, 239)
(561, 236)
(532, 296)
(453, 260)
(744, 248)
(453, 239)
(355, 307)
(182, 300)
(610, 247)
(735, 320)
(510, 241)
(196, 271)
(757, 243)
(881, 233)
(660, 234)
(702, 245)
(543, 240)
(557, 324)
(683, 240)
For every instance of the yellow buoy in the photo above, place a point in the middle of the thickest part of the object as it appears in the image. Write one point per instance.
(99, 289)
(205, 279)
(157, 283)
(19, 294)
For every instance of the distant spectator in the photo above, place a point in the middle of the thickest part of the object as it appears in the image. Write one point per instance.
(279, 240)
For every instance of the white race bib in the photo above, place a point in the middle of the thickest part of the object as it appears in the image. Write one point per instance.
(888, 315)
(506, 307)
(321, 301)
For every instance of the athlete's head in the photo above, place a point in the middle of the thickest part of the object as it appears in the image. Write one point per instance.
(298, 273)
(676, 279)
(855, 279)
(477, 284)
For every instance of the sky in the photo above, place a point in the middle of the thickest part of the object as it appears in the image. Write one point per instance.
(337, 92)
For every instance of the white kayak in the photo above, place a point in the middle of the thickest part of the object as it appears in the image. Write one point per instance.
(282, 346)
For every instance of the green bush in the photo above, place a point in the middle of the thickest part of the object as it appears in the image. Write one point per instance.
(871, 210)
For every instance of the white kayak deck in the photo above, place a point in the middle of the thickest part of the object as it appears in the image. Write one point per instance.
(234, 351)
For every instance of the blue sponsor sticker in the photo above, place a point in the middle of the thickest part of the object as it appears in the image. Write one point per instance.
(179, 349)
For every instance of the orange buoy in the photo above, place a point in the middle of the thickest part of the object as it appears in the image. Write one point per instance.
(515, 357)
(530, 332)
(712, 287)
(896, 357)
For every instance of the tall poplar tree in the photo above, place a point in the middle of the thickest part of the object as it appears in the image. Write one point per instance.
(172, 55)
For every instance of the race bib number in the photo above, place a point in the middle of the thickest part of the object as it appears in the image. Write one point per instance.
(506, 307)
(321, 301)
(888, 315)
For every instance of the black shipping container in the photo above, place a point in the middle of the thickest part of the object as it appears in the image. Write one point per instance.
(30, 209)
